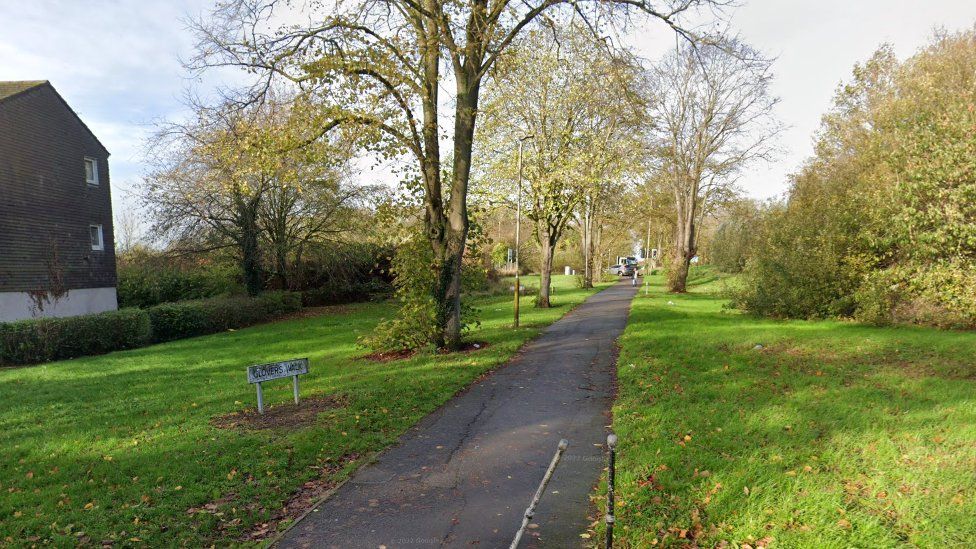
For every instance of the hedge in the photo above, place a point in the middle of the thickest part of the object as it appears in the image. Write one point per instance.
(45, 339)
(207, 316)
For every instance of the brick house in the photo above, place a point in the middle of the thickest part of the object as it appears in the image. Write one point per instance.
(57, 255)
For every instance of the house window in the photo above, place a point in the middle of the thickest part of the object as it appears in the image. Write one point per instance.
(97, 242)
(91, 171)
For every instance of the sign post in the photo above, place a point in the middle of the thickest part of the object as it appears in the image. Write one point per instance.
(260, 373)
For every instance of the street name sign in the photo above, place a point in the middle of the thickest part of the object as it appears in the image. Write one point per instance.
(260, 373)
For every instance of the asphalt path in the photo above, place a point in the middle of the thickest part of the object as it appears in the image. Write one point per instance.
(465, 474)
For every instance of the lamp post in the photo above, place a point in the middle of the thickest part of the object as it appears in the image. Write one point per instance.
(518, 225)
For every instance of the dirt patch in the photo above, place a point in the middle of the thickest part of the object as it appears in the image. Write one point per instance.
(281, 415)
(297, 505)
(469, 347)
(304, 499)
(390, 356)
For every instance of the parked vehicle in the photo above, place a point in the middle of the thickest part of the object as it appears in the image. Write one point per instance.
(626, 267)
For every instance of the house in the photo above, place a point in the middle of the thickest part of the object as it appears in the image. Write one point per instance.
(57, 254)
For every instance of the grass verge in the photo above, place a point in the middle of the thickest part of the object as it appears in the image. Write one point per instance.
(122, 449)
(832, 434)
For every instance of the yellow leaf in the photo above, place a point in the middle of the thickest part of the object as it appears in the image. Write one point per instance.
(585, 536)
(89, 506)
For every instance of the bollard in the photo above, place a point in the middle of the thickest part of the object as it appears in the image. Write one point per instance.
(612, 445)
(530, 511)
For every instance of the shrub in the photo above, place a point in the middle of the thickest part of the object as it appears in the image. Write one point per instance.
(207, 316)
(344, 273)
(280, 303)
(941, 295)
(150, 282)
(416, 321)
(45, 339)
(351, 292)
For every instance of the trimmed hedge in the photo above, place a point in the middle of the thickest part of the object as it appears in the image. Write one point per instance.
(184, 319)
(46, 339)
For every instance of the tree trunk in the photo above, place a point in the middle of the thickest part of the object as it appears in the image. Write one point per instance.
(547, 246)
(250, 252)
(281, 265)
(684, 246)
(456, 233)
(587, 242)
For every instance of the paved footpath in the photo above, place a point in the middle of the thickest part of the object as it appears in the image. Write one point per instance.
(465, 474)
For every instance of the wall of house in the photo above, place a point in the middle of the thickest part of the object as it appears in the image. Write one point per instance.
(20, 305)
(46, 207)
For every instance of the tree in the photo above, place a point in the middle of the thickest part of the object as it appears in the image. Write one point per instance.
(711, 114)
(223, 182)
(735, 238)
(315, 203)
(377, 65)
(881, 223)
(128, 231)
(576, 100)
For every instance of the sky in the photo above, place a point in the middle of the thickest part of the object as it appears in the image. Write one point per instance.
(117, 62)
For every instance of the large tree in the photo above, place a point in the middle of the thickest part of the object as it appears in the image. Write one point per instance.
(577, 101)
(380, 65)
(712, 114)
(222, 182)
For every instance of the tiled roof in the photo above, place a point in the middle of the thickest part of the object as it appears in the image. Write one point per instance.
(12, 88)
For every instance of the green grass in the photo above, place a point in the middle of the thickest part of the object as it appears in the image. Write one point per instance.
(834, 434)
(120, 447)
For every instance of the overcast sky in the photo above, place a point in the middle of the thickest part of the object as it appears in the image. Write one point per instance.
(117, 61)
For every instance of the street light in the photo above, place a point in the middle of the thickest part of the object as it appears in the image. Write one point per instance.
(518, 224)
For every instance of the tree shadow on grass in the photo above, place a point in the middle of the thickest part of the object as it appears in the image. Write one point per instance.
(820, 438)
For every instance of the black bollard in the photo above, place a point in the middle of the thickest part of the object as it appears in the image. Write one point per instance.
(612, 445)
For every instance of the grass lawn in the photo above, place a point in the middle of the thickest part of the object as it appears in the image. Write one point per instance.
(833, 434)
(121, 447)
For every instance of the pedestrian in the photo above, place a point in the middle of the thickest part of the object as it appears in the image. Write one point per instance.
(635, 275)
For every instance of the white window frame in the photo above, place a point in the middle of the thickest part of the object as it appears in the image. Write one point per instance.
(101, 237)
(94, 163)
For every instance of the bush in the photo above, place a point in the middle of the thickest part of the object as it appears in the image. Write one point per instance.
(150, 282)
(46, 339)
(346, 293)
(416, 321)
(941, 295)
(344, 273)
(183, 319)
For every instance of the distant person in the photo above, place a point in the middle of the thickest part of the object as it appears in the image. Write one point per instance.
(634, 283)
